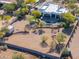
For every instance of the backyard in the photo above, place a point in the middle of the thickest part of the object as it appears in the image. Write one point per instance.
(24, 25)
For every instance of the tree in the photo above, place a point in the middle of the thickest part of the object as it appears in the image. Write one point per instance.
(36, 13)
(41, 23)
(71, 6)
(0, 17)
(56, 1)
(44, 39)
(68, 17)
(60, 37)
(7, 18)
(77, 11)
(21, 12)
(9, 7)
(30, 18)
(30, 1)
(70, 1)
(1, 34)
(19, 3)
(5, 30)
(18, 12)
(18, 56)
(23, 4)
(24, 10)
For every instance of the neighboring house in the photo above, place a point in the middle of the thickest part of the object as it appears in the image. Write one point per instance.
(7, 1)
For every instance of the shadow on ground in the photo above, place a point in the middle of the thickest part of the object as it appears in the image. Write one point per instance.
(30, 51)
(67, 31)
(21, 32)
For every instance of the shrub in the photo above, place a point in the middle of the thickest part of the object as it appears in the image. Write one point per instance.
(68, 17)
(9, 7)
(60, 37)
(7, 18)
(36, 13)
(0, 17)
(18, 56)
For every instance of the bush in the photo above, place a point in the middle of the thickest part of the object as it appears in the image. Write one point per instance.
(9, 7)
(4, 48)
(65, 25)
(24, 10)
(30, 1)
(30, 18)
(2, 34)
(36, 13)
(18, 56)
(69, 18)
(60, 37)
(72, 6)
(0, 17)
(21, 11)
(72, 1)
(7, 18)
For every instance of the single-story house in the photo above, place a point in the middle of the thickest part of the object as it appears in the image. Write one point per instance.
(52, 10)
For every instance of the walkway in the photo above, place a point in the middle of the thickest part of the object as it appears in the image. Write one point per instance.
(74, 45)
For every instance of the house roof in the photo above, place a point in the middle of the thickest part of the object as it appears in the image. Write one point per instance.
(7, 1)
(52, 8)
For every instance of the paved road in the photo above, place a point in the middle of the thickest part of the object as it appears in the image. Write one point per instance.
(74, 45)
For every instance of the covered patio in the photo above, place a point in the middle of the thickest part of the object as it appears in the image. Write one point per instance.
(52, 11)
